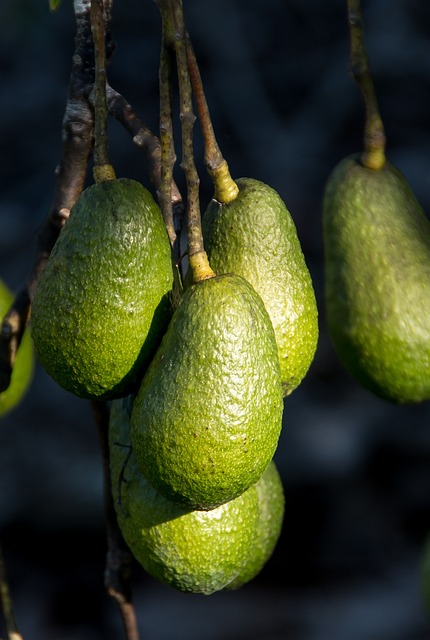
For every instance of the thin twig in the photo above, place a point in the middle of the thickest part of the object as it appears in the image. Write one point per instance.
(373, 156)
(118, 558)
(6, 605)
(77, 131)
(168, 155)
(142, 137)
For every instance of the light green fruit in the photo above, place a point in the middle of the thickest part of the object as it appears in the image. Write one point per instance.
(193, 551)
(23, 367)
(255, 237)
(377, 279)
(271, 507)
(102, 302)
(208, 415)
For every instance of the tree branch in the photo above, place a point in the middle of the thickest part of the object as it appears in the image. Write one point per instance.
(70, 174)
(142, 137)
(6, 605)
(118, 558)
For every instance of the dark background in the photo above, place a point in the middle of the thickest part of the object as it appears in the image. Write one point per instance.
(356, 469)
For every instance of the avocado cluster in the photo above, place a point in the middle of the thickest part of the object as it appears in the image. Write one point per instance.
(201, 504)
(196, 386)
(197, 551)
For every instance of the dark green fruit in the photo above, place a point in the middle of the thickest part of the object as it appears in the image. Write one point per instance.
(23, 367)
(271, 506)
(207, 417)
(193, 551)
(377, 279)
(255, 236)
(102, 302)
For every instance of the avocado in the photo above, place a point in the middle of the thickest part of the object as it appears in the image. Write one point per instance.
(23, 367)
(255, 237)
(207, 417)
(193, 551)
(102, 302)
(377, 279)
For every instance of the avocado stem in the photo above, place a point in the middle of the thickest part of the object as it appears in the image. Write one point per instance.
(168, 156)
(103, 170)
(373, 156)
(196, 252)
(225, 187)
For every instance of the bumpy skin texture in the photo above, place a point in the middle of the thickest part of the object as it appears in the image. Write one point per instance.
(194, 551)
(102, 302)
(271, 507)
(255, 237)
(208, 415)
(377, 279)
(23, 368)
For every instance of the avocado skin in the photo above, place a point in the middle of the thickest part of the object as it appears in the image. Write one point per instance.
(377, 279)
(102, 302)
(207, 417)
(255, 237)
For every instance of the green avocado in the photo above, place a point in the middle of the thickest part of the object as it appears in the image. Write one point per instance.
(23, 367)
(102, 302)
(207, 417)
(255, 237)
(193, 551)
(377, 279)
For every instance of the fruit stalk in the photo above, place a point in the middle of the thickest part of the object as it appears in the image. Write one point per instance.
(77, 130)
(225, 187)
(197, 257)
(168, 156)
(373, 156)
(103, 169)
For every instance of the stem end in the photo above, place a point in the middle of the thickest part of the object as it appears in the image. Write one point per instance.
(199, 265)
(226, 189)
(103, 172)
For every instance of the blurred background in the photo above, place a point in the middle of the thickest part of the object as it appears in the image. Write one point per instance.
(356, 469)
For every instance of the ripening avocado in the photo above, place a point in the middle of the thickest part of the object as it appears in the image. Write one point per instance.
(207, 417)
(255, 237)
(377, 279)
(102, 302)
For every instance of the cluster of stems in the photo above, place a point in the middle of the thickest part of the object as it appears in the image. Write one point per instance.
(177, 47)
